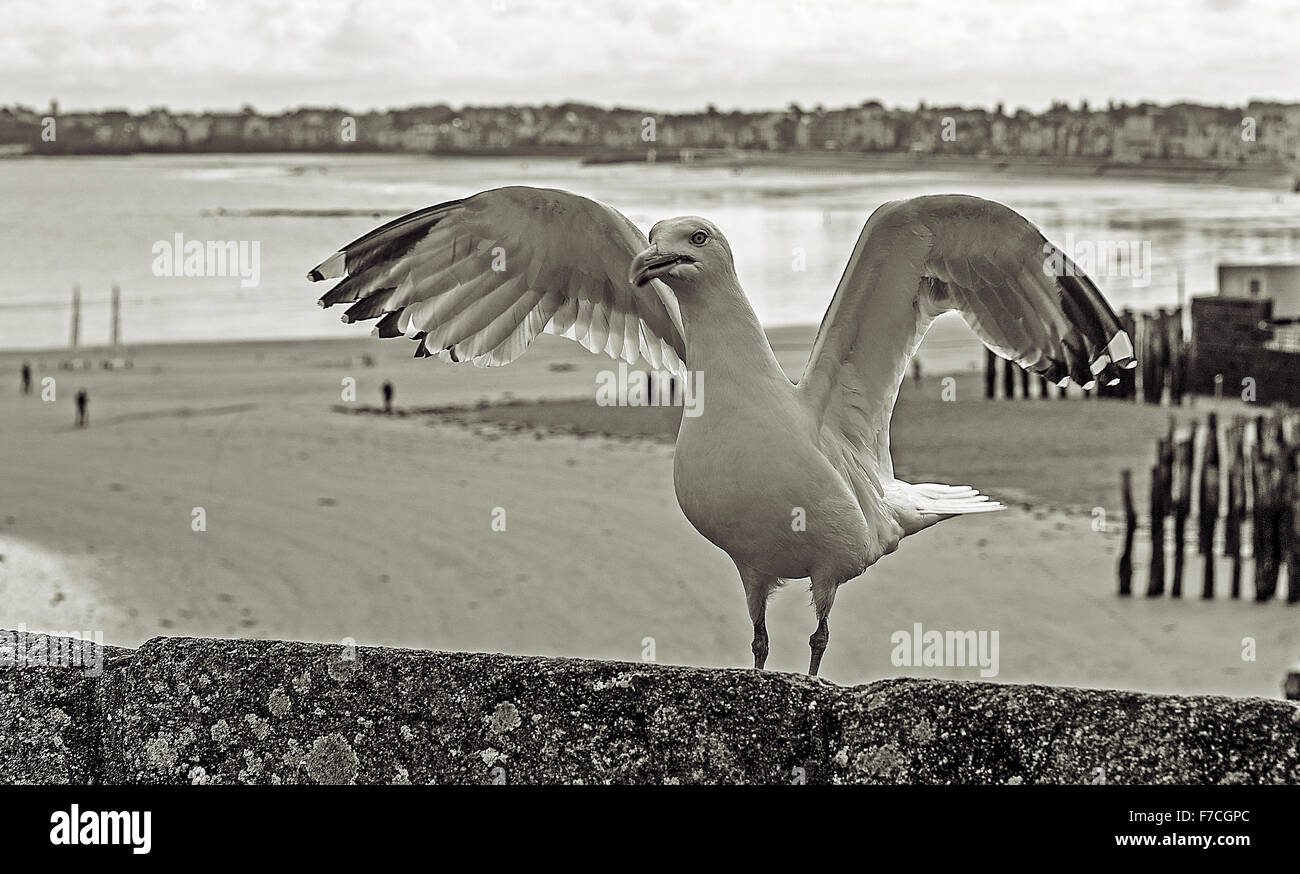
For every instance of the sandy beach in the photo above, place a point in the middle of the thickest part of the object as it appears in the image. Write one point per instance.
(325, 526)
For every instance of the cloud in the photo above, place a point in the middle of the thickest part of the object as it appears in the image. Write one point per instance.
(663, 54)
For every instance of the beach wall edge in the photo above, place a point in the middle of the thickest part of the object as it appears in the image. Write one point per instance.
(199, 710)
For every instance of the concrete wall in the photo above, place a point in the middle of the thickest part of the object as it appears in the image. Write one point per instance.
(182, 710)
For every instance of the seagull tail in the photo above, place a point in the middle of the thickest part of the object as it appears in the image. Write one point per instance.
(921, 505)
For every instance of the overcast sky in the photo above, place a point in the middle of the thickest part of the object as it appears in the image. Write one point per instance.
(654, 54)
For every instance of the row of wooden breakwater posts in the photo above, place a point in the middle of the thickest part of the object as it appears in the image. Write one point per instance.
(1162, 353)
(1237, 486)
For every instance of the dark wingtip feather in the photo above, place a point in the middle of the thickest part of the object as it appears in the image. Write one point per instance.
(331, 268)
(371, 306)
(387, 326)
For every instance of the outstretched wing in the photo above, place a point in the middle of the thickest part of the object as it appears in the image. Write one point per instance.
(921, 257)
(477, 279)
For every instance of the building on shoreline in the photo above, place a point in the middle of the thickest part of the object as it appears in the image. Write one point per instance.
(1261, 132)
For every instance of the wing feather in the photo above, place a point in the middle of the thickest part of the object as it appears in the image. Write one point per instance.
(478, 279)
(917, 258)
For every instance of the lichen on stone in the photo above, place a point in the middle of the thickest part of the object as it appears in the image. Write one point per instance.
(332, 761)
(160, 750)
(260, 727)
(220, 731)
(505, 718)
(278, 703)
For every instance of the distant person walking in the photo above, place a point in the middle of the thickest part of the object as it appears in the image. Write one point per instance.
(82, 403)
(388, 398)
(27, 378)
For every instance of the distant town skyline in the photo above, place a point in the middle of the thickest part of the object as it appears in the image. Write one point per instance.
(668, 55)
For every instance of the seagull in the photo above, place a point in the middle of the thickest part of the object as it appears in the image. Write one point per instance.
(791, 480)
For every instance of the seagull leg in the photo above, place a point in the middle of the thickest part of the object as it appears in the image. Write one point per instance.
(823, 598)
(758, 587)
(818, 642)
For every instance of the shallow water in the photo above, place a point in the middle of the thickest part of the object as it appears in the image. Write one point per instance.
(95, 221)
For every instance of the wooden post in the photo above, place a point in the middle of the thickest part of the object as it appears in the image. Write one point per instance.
(990, 373)
(1182, 504)
(1236, 503)
(1128, 378)
(1024, 383)
(115, 332)
(1009, 379)
(1292, 529)
(1164, 353)
(1208, 501)
(1161, 479)
(1150, 360)
(1044, 388)
(74, 331)
(1156, 571)
(1177, 358)
(1130, 525)
(1264, 482)
(1288, 521)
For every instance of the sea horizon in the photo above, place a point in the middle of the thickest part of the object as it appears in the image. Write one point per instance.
(96, 221)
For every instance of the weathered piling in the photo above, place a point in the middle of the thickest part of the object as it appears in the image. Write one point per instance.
(1128, 378)
(1181, 504)
(1177, 360)
(1152, 370)
(1289, 528)
(1008, 379)
(990, 374)
(1288, 517)
(1130, 526)
(1265, 483)
(1161, 476)
(1236, 503)
(1208, 503)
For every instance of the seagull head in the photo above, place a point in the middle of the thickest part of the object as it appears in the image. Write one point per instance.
(683, 251)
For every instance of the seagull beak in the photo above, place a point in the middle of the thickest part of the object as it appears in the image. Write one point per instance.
(652, 263)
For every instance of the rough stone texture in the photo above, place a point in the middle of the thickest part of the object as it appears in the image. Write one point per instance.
(181, 710)
(49, 721)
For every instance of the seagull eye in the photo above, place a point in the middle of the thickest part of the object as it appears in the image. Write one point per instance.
(699, 238)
